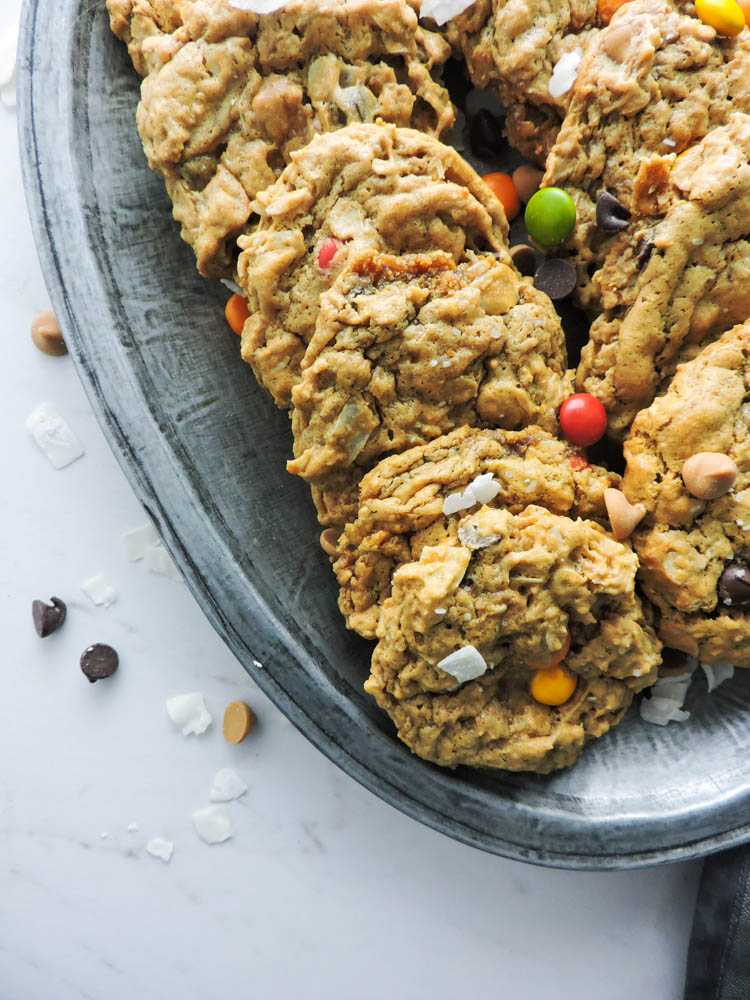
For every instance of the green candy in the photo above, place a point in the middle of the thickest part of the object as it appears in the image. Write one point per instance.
(550, 216)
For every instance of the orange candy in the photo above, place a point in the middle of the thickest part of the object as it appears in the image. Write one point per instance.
(553, 685)
(555, 657)
(503, 188)
(236, 312)
(608, 9)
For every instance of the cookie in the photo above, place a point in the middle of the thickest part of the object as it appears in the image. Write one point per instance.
(650, 86)
(229, 95)
(508, 593)
(670, 285)
(695, 553)
(513, 49)
(409, 500)
(408, 348)
(365, 186)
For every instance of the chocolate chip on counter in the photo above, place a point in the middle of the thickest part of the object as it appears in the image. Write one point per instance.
(486, 135)
(734, 585)
(611, 215)
(48, 617)
(99, 661)
(643, 252)
(47, 335)
(556, 277)
(524, 258)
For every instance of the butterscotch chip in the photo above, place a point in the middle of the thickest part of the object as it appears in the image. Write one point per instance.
(238, 721)
(709, 474)
(47, 335)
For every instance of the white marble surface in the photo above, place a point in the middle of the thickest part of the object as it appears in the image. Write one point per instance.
(324, 891)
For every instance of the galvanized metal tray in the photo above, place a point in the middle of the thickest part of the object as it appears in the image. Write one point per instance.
(204, 449)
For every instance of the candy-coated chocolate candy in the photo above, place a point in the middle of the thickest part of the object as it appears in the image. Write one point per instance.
(583, 419)
(550, 216)
(236, 312)
(725, 16)
(327, 251)
(503, 188)
(553, 685)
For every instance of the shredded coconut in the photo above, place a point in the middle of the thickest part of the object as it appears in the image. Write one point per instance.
(717, 673)
(213, 824)
(138, 541)
(53, 435)
(227, 785)
(100, 590)
(189, 713)
(258, 6)
(160, 848)
(443, 10)
(565, 72)
(464, 664)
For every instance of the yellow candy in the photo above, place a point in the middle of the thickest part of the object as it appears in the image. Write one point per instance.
(725, 16)
(553, 685)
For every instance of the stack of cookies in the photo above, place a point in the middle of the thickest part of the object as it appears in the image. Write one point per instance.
(518, 593)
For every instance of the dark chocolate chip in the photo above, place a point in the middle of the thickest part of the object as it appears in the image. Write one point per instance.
(643, 252)
(611, 215)
(524, 258)
(486, 135)
(99, 661)
(48, 617)
(734, 585)
(556, 277)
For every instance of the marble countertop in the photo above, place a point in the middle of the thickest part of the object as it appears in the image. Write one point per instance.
(323, 891)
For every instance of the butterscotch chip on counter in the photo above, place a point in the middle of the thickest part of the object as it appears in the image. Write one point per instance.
(651, 85)
(673, 282)
(238, 721)
(471, 619)
(409, 500)
(229, 95)
(47, 335)
(694, 552)
(408, 348)
(365, 187)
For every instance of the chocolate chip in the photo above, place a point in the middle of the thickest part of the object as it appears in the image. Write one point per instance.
(556, 277)
(734, 584)
(48, 617)
(486, 135)
(643, 251)
(524, 258)
(99, 661)
(611, 215)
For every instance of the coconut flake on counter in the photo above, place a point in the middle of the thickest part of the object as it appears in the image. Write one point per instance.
(156, 559)
(565, 72)
(189, 713)
(8, 46)
(160, 848)
(660, 711)
(465, 664)
(53, 435)
(100, 590)
(213, 824)
(227, 785)
(138, 541)
(667, 696)
(717, 673)
(481, 489)
(443, 10)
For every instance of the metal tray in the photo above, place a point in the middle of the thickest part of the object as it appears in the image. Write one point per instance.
(204, 449)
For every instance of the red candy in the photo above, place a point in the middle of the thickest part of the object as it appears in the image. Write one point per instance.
(579, 463)
(583, 419)
(327, 251)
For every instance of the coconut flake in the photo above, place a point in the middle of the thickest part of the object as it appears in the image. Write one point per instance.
(717, 673)
(484, 488)
(227, 785)
(565, 72)
(189, 713)
(464, 664)
(157, 560)
(232, 286)
(100, 590)
(459, 501)
(661, 711)
(443, 10)
(213, 824)
(138, 541)
(160, 848)
(258, 6)
(53, 435)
